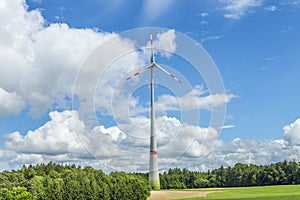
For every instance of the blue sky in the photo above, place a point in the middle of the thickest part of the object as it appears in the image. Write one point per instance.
(45, 44)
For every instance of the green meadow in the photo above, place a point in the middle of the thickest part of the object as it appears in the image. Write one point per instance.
(282, 192)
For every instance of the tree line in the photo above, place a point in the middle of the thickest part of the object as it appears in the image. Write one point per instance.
(63, 182)
(55, 181)
(240, 175)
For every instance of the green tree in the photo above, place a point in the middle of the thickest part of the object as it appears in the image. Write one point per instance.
(5, 194)
(38, 189)
(21, 193)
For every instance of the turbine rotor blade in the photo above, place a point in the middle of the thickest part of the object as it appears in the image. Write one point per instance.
(152, 59)
(151, 41)
(139, 72)
(168, 73)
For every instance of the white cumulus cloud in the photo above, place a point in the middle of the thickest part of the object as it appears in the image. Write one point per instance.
(55, 137)
(40, 62)
(196, 99)
(165, 42)
(10, 103)
(291, 133)
(235, 9)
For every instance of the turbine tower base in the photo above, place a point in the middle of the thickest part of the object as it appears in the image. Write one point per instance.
(154, 181)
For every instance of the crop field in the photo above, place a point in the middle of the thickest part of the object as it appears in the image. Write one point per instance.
(283, 192)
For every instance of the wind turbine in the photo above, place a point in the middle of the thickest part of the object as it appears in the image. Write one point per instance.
(153, 167)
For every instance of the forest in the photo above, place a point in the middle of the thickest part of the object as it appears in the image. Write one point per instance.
(56, 181)
(240, 175)
(61, 182)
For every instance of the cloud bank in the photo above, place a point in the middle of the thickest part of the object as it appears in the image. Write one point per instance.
(112, 149)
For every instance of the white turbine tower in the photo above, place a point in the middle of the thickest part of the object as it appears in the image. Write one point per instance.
(153, 167)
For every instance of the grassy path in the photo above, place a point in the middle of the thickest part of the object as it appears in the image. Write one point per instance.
(177, 194)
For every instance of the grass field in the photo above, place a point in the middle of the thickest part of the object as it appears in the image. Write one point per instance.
(283, 192)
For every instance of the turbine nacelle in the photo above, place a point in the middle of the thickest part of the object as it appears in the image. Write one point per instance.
(152, 65)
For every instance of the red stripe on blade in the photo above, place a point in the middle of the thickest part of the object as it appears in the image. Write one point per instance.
(151, 42)
(128, 78)
(137, 73)
(153, 152)
(172, 75)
